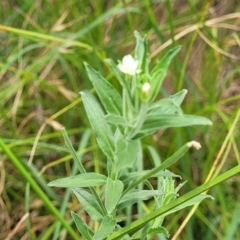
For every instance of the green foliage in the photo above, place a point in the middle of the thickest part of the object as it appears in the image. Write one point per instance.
(43, 48)
(82, 180)
(114, 189)
(90, 204)
(86, 232)
(125, 156)
(119, 143)
(101, 129)
(106, 227)
(110, 98)
(158, 73)
(155, 121)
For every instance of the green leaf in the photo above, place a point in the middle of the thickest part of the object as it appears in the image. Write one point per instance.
(167, 163)
(169, 105)
(122, 80)
(153, 153)
(81, 180)
(132, 176)
(106, 228)
(178, 97)
(86, 232)
(119, 75)
(102, 131)
(154, 231)
(164, 106)
(141, 52)
(113, 194)
(141, 222)
(126, 153)
(137, 195)
(117, 120)
(109, 96)
(71, 149)
(160, 70)
(89, 203)
(188, 203)
(154, 122)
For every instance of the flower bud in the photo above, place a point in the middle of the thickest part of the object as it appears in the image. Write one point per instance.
(145, 91)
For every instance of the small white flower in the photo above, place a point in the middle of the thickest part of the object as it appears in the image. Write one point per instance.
(128, 65)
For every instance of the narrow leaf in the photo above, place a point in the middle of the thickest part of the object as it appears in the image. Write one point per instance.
(113, 194)
(160, 70)
(178, 97)
(117, 120)
(96, 117)
(109, 96)
(188, 203)
(169, 105)
(164, 106)
(154, 122)
(89, 203)
(81, 180)
(86, 232)
(167, 163)
(137, 195)
(119, 75)
(132, 176)
(141, 52)
(72, 151)
(106, 228)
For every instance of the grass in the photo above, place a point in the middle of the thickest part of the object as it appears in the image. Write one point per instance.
(43, 46)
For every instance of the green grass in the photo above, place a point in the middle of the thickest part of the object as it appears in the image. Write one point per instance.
(43, 47)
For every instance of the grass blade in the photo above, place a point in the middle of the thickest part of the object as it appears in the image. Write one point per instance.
(24, 172)
(143, 221)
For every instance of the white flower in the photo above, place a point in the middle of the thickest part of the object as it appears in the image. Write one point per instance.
(128, 65)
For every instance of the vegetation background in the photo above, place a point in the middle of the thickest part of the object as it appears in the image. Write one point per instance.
(42, 48)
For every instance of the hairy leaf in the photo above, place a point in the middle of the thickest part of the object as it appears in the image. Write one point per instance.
(113, 194)
(155, 122)
(86, 232)
(160, 70)
(106, 228)
(126, 153)
(137, 195)
(109, 96)
(99, 125)
(89, 203)
(81, 180)
(141, 52)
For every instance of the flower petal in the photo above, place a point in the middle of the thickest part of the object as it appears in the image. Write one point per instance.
(128, 65)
